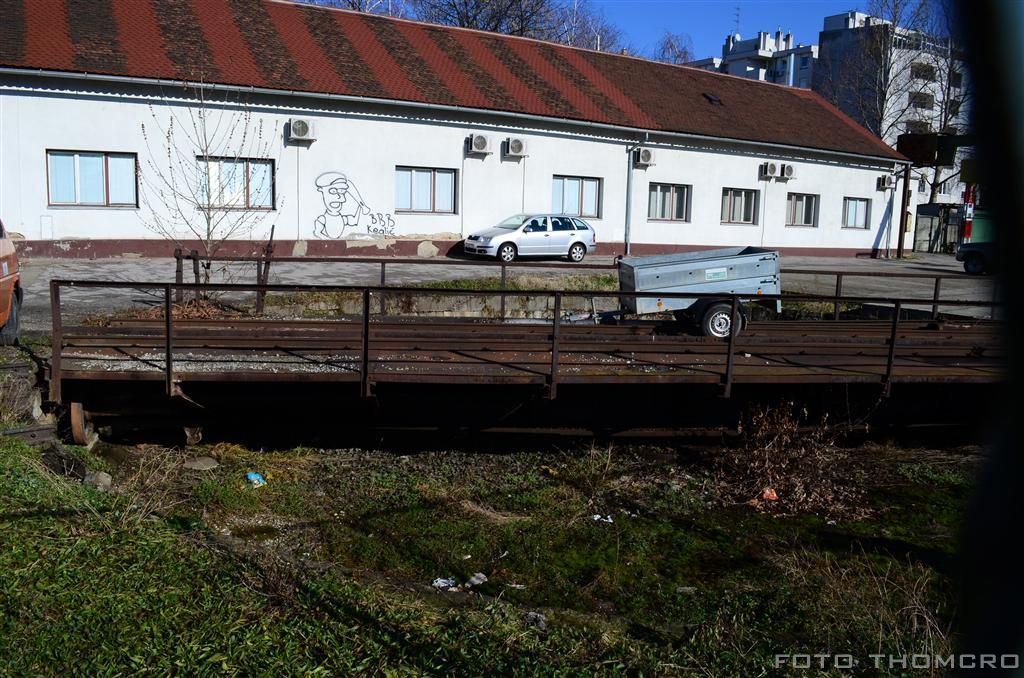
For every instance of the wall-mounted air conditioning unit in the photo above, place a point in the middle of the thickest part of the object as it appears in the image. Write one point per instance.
(786, 171)
(515, 147)
(885, 182)
(301, 129)
(643, 157)
(768, 170)
(479, 144)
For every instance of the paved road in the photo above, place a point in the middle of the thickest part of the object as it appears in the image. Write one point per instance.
(36, 274)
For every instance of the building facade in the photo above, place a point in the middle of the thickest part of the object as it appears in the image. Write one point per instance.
(765, 57)
(353, 133)
(897, 81)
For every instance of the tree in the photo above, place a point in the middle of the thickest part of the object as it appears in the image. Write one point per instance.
(388, 7)
(946, 65)
(530, 18)
(211, 170)
(583, 25)
(867, 72)
(674, 48)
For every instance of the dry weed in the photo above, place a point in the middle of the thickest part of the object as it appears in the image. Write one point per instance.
(785, 465)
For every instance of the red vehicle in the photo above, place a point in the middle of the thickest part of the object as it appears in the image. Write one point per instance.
(10, 290)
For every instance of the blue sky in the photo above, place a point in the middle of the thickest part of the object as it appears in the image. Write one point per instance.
(709, 21)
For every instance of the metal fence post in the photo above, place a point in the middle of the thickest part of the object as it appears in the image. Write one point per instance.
(935, 297)
(364, 364)
(892, 347)
(195, 271)
(259, 281)
(733, 317)
(58, 342)
(383, 283)
(555, 334)
(995, 299)
(179, 275)
(168, 347)
(504, 280)
(839, 293)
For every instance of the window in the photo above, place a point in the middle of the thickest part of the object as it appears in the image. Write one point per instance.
(421, 189)
(954, 106)
(237, 183)
(577, 196)
(562, 224)
(91, 178)
(801, 210)
(918, 127)
(670, 202)
(856, 213)
(804, 62)
(581, 225)
(956, 79)
(922, 100)
(739, 206)
(924, 72)
(922, 185)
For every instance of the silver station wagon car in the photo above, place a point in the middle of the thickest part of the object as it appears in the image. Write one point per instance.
(534, 235)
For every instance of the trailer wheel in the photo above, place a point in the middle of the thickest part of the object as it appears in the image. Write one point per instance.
(974, 264)
(79, 427)
(717, 323)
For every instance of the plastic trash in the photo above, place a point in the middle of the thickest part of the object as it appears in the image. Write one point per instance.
(598, 518)
(769, 495)
(477, 579)
(443, 583)
(255, 479)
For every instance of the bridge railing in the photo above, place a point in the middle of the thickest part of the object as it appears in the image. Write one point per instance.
(170, 290)
(264, 260)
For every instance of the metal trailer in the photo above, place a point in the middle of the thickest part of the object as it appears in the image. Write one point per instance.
(730, 270)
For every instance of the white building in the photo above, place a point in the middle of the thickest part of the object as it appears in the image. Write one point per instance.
(765, 57)
(387, 106)
(926, 89)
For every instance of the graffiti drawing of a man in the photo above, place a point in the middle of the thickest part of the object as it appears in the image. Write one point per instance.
(343, 206)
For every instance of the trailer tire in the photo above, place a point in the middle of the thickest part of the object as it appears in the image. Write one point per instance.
(717, 323)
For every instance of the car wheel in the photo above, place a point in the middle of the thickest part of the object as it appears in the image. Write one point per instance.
(577, 252)
(974, 264)
(9, 332)
(717, 323)
(507, 253)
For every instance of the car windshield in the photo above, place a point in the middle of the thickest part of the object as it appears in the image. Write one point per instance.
(514, 221)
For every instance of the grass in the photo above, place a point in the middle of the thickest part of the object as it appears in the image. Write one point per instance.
(328, 567)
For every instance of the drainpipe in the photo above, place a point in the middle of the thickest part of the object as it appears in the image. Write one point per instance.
(629, 188)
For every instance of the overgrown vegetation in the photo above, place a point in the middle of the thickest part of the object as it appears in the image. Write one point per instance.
(604, 559)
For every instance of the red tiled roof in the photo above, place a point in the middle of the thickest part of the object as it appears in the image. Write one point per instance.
(280, 45)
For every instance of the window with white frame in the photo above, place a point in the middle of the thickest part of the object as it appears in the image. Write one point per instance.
(739, 206)
(424, 189)
(91, 178)
(577, 196)
(801, 209)
(236, 183)
(856, 213)
(669, 202)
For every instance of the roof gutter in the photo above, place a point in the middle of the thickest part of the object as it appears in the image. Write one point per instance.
(161, 82)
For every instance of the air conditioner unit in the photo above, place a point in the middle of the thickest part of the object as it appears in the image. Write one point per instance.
(786, 171)
(301, 129)
(515, 147)
(643, 157)
(478, 143)
(769, 169)
(886, 182)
